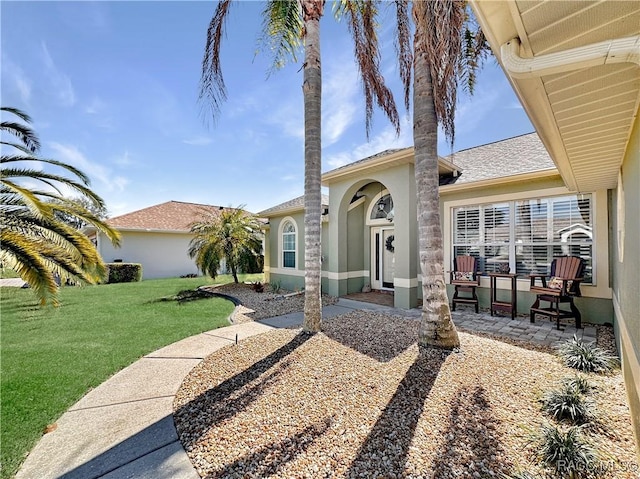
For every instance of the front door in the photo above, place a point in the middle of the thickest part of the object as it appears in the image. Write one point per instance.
(382, 258)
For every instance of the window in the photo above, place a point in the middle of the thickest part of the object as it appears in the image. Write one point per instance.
(289, 245)
(526, 234)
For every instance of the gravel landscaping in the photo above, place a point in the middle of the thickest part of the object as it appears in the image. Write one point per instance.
(263, 305)
(357, 400)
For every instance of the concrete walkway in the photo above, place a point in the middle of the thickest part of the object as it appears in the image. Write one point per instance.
(124, 428)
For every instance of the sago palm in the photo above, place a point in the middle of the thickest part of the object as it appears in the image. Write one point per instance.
(288, 25)
(447, 48)
(35, 243)
(224, 235)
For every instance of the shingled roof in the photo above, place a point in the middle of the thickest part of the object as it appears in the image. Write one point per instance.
(513, 156)
(169, 216)
(504, 158)
(291, 205)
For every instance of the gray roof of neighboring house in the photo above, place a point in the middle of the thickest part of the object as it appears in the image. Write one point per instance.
(513, 156)
(291, 204)
(521, 154)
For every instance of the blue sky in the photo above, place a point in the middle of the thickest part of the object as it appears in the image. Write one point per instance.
(112, 88)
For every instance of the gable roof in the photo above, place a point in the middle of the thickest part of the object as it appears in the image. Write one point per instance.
(500, 159)
(173, 216)
(290, 206)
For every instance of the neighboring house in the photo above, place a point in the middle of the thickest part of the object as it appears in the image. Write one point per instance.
(575, 68)
(157, 237)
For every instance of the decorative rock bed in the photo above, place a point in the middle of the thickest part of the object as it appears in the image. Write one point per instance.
(357, 400)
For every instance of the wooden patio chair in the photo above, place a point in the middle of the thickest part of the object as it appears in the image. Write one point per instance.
(465, 278)
(562, 287)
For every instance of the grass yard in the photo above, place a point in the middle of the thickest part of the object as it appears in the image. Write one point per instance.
(52, 356)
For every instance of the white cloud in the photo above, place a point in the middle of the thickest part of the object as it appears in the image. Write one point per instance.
(386, 140)
(61, 83)
(124, 159)
(96, 107)
(198, 141)
(339, 97)
(72, 155)
(20, 80)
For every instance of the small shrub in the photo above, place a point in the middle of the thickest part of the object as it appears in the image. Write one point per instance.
(579, 383)
(275, 286)
(124, 272)
(568, 403)
(586, 357)
(567, 453)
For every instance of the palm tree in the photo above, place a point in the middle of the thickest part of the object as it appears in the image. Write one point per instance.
(35, 243)
(288, 24)
(447, 48)
(227, 235)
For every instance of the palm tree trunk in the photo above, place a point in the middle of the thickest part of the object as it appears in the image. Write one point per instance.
(436, 327)
(312, 90)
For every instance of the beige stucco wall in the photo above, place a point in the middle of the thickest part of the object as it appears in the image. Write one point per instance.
(625, 260)
(162, 255)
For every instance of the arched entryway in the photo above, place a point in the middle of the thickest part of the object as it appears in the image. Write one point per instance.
(379, 219)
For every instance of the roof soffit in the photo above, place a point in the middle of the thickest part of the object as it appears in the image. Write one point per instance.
(584, 117)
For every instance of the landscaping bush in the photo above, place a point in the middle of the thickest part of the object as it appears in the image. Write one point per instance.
(568, 403)
(566, 453)
(124, 272)
(580, 383)
(586, 357)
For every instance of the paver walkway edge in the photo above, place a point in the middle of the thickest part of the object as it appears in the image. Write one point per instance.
(124, 428)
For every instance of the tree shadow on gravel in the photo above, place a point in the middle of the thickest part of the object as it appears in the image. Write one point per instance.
(222, 402)
(381, 336)
(385, 450)
(270, 459)
(472, 439)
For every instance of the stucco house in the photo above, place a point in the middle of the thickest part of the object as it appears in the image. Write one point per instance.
(157, 237)
(573, 187)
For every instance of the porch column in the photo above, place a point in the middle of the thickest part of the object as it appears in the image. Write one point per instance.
(403, 192)
(335, 252)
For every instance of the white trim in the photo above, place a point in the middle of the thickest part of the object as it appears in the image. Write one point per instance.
(346, 274)
(619, 50)
(405, 282)
(501, 180)
(325, 274)
(626, 346)
(287, 271)
(374, 201)
(599, 288)
(356, 203)
(283, 222)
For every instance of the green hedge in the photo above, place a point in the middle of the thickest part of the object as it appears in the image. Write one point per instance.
(124, 272)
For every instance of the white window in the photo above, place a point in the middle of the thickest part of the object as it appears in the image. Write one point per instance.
(288, 245)
(526, 234)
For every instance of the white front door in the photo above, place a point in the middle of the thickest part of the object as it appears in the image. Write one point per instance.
(382, 257)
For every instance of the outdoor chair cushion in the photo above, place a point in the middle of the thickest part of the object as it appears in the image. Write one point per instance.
(465, 276)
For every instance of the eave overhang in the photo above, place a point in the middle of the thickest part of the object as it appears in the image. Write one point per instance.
(574, 67)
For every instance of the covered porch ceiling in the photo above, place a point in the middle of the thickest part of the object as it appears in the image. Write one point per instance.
(575, 68)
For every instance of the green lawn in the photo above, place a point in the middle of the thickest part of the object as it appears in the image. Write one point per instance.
(52, 356)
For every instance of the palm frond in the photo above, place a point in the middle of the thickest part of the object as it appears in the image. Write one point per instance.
(212, 88)
(24, 133)
(282, 31)
(362, 24)
(404, 47)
